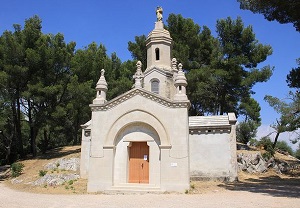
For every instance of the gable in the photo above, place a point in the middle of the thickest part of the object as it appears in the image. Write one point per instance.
(144, 93)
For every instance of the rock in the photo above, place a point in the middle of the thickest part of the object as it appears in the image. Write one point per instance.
(251, 162)
(271, 163)
(240, 146)
(55, 179)
(283, 167)
(256, 160)
(64, 164)
(261, 166)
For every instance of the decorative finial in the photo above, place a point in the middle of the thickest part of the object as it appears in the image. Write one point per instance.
(180, 84)
(159, 13)
(174, 64)
(139, 66)
(138, 76)
(180, 67)
(102, 72)
(101, 88)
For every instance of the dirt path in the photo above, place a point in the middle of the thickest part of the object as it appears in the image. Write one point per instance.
(10, 198)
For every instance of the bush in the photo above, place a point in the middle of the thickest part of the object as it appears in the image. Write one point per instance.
(283, 146)
(246, 131)
(267, 145)
(42, 173)
(253, 142)
(16, 169)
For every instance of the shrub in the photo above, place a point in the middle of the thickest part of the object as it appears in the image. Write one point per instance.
(283, 146)
(253, 142)
(16, 169)
(267, 144)
(246, 131)
(42, 173)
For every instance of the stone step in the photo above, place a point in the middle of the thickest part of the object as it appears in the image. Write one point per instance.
(134, 189)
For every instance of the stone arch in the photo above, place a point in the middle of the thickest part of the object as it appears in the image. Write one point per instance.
(137, 132)
(134, 117)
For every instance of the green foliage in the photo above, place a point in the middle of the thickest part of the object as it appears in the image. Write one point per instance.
(283, 146)
(42, 173)
(44, 80)
(282, 11)
(267, 145)
(297, 153)
(246, 130)
(16, 169)
(70, 182)
(251, 110)
(138, 49)
(293, 78)
(289, 114)
(222, 70)
(253, 142)
(192, 46)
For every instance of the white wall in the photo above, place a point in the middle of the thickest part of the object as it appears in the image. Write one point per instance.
(210, 155)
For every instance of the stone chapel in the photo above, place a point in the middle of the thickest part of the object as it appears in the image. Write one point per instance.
(144, 139)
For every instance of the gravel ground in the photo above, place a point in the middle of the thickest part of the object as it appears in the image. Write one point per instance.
(10, 198)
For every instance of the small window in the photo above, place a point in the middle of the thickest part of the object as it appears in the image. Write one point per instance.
(155, 86)
(157, 54)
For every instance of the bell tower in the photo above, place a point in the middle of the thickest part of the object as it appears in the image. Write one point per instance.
(159, 44)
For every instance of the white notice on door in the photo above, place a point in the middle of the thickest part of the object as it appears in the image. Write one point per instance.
(145, 157)
(173, 164)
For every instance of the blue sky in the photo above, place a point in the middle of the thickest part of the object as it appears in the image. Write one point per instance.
(114, 23)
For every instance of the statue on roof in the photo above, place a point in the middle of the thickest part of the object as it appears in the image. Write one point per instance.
(159, 13)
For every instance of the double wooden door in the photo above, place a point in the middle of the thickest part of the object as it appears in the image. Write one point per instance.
(139, 163)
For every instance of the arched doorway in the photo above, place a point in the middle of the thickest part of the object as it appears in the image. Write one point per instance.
(137, 155)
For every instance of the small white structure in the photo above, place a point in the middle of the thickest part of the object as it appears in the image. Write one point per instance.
(144, 139)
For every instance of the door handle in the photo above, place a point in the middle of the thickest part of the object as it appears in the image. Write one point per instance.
(142, 165)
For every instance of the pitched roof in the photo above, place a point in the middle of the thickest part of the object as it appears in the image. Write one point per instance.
(225, 121)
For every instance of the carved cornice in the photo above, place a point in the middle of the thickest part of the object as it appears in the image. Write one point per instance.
(139, 91)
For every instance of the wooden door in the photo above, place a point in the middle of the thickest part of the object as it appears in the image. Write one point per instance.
(139, 163)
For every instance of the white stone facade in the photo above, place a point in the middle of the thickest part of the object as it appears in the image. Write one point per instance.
(144, 138)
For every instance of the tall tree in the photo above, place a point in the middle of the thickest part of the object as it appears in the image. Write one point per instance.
(14, 70)
(286, 11)
(289, 114)
(232, 71)
(49, 64)
(192, 46)
(138, 49)
(247, 128)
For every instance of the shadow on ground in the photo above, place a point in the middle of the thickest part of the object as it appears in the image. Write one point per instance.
(274, 186)
(4, 172)
(58, 153)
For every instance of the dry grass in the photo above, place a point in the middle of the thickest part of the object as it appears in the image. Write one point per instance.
(32, 168)
(246, 180)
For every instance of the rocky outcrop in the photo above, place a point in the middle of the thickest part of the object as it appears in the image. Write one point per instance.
(55, 179)
(64, 164)
(253, 162)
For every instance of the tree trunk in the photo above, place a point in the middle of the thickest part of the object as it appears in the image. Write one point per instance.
(45, 142)
(19, 128)
(275, 140)
(16, 147)
(32, 131)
